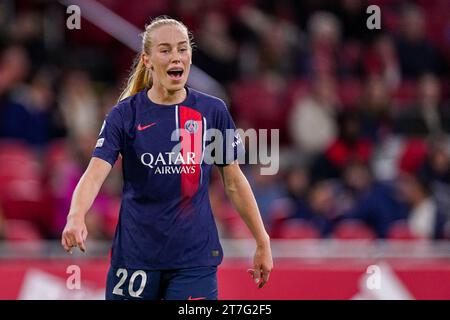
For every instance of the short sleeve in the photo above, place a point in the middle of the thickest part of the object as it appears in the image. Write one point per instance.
(110, 140)
(233, 146)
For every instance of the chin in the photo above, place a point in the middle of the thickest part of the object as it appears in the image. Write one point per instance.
(175, 87)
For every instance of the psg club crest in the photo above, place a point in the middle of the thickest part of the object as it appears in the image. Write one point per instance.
(191, 126)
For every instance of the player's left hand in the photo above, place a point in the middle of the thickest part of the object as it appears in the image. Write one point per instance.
(262, 265)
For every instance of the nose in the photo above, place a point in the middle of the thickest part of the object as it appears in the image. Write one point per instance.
(175, 56)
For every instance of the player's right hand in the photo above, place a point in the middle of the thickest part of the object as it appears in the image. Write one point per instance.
(74, 234)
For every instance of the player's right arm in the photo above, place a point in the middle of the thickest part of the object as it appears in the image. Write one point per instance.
(75, 232)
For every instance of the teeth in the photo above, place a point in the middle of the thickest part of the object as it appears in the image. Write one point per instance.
(175, 72)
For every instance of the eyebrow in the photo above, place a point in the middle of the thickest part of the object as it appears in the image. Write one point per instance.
(168, 44)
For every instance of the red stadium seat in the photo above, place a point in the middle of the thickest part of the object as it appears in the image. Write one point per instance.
(57, 153)
(401, 231)
(14, 148)
(19, 177)
(352, 230)
(258, 105)
(280, 211)
(23, 195)
(298, 229)
(20, 230)
(17, 161)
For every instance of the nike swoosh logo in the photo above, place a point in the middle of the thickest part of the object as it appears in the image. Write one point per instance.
(140, 127)
(199, 298)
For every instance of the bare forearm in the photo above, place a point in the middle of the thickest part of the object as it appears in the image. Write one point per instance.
(88, 187)
(240, 194)
(84, 195)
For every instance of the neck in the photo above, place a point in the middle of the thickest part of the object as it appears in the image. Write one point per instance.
(160, 95)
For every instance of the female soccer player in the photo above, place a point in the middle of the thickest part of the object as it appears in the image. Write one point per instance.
(166, 244)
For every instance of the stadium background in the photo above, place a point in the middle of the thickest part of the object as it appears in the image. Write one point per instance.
(364, 117)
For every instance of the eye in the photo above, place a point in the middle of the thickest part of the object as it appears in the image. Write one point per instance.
(164, 51)
(183, 49)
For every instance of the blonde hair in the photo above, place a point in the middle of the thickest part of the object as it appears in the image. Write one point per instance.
(140, 77)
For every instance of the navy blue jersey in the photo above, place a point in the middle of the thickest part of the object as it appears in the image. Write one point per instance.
(165, 219)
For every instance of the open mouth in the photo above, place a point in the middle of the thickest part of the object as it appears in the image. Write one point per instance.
(175, 73)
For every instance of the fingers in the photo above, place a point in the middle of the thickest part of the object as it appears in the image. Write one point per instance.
(260, 276)
(68, 241)
(257, 274)
(80, 241)
(74, 239)
(84, 235)
(64, 244)
(265, 276)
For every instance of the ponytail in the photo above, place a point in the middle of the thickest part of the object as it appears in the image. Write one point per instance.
(139, 79)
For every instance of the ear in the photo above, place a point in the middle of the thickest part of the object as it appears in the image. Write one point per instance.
(146, 60)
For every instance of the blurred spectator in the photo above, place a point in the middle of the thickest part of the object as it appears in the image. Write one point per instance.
(357, 178)
(321, 56)
(294, 204)
(266, 188)
(216, 52)
(14, 68)
(79, 105)
(436, 169)
(319, 204)
(27, 29)
(437, 164)
(324, 206)
(429, 116)
(187, 11)
(425, 219)
(417, 55)
(312, 121)
(273, 44)
(26, 110)
(381, 60)
(353, 16)
(314, 206)
(350, 61)
(375, 109)
(375, 203)
(349, 146)
(297, 184)
(32, 106)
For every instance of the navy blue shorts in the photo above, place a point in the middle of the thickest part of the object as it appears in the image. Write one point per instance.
(199, 283)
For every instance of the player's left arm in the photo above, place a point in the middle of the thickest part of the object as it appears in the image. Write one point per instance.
(240, 194)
